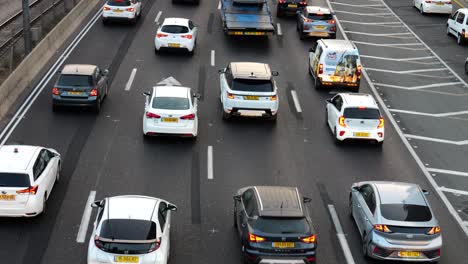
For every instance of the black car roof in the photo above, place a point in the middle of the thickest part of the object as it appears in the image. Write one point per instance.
(276, 201)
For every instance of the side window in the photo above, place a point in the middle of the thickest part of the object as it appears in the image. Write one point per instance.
(250, 203)
(39, 165)
(454, 16)
(228, 75)
(162, 213)
(319, 52)
(101, 212)
(337, 102)
(460, 18)
(369, 196)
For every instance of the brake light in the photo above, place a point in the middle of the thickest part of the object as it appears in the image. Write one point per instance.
(428, 1)
(273, 98)
(230, 96)
(106, 8)
(161, 35)
(130, 9)
(382, 228)
(303, 3)
(341, 120)
(359, 70)
(94, 92)
(362, 107)
(333, 28)
(98, 242)
(254, 238)
(309, 239)
(448, 3)
(332, 21)
(30, 190)
(308, 20)
(320, 68)
(306, 27)
(152, 115)
(55, 91)
(187, 36)
(381, 122)
(155, 245)
(434, 230)
(282, 1)
(188, 117)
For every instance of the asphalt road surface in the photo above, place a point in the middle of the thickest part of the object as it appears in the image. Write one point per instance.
(107, 154)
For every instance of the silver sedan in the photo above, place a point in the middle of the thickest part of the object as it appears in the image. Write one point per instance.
(395, 221)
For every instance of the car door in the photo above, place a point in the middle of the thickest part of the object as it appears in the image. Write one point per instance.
(164, 225)
(99, 81)
(249, 205)
(334, 110)
(458, 25)
(367, 209)
(53, 163)
(223, 78)
(40, 174)
(194, 103)
(194, 29)
(315, 59)
(451, 21)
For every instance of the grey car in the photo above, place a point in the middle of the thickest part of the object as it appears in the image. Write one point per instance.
(316, 21)
(80, 85)
(395, 221)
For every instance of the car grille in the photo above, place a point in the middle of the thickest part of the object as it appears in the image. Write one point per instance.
(409, 230)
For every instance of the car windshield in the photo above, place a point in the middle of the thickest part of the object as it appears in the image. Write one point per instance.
(282, 225)
(320, 17)
(406, 212)
(174, 29)
(75, 80)
(119, 2)
(8, 179)
(171, 103)
(247, 85)
(361, 113)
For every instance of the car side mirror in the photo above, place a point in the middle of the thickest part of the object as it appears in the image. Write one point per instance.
(197, 95)
(426, 192)
(146, 93)
(237, 198)
(105, 72)
(306, 199)
(222, 71)
(274, 73)
(312, 49)
(329, 100)
(96, 204)
(357, 188)
(171, 207)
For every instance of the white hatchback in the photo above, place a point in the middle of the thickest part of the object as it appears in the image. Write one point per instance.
(433, 6)
(127, 10)
(176, 33)
(355, 116)
(131, 229)
(27, 176)
(170, 110)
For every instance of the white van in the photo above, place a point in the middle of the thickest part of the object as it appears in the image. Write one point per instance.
(334, 62)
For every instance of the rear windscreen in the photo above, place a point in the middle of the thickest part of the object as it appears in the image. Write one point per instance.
(171, 103)
(75, 80)
(14, 179)
(175, 29)
(361, 113)
(128, 229)
(246, 85)
(320, 17)
(406, 212)
(119, 3)
(282, 225)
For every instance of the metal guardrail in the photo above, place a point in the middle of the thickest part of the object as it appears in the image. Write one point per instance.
(18, 14)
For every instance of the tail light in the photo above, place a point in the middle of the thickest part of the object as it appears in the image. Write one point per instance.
(341, 120)
(448, 3)
(106, 8)
(464, 33)
(381, 122)
(382, 228)
(155, 245)
(230, 96)
(434, 230)
(282, 1)
(428, 1)
(332, 21)
(309, 239)
(273, 98)
(55, 91)
(152, 115)
(306, 27)
(320, 68)
(130, 9)
(303, 3)
(98, 243)
(161, 35)
(94, 92)
(333, 29)
(254, 238)
(30, 190)
(188, 117)
(308, 20)
(359, 70)
(187, 36)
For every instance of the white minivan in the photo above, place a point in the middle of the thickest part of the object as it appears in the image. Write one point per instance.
(457, 25)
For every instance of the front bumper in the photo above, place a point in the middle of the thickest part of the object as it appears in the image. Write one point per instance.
(64, 101)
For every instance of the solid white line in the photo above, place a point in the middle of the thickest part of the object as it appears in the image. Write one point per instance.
(219, 5)
(279, 30)
(341, 236)
(451, 172)
(378, 34)
(363, 14)
(393, 59)
(405, 141)
(388, 44)
(212, 58)
(296, 101)
(395, 24)
(210, 162)
(417, 87)
(438, 140)
(429, 114)
(80, 238)
(406, 72)
(130, 80)
(455, 191)
(156, 20)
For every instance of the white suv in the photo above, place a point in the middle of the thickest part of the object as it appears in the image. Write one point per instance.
(248, 89)
(457, 25)
(27, 176)
(126, 10)
(355, 116)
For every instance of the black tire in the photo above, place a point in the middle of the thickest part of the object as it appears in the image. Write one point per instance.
(326, 118)
(350, 206)
(379, 144)
(57, 176)
(55, 108)
(460, 40)
(333, 36)
(235, 220)
(317, 84)
(245, 260)
(156, 51)
(421, 10)
(97, 106)
(44, 205)
(301, 35)
(337, 141)
(448, 30)
(105, 22)
(273, 118)
(226, 116)
(196, 2)
(279, 13)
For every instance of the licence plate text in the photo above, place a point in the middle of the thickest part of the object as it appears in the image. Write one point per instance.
(319, 27)
(409, 254)
(291, 5)
(251, 97)
(75, 93)
(283, 244)
(127, 259)
(248, 33)
(7, 197)
(174, 45)
(170, 119)
(361, 134)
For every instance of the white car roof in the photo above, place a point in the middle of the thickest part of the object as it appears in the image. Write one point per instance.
(359, 99)
(338, 44)
(176, 21)
(171, 91)
(19, 161)
(132, 207)
(317, 9)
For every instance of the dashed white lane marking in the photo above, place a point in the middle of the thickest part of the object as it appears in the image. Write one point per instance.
(156, 20)
(402, 59)
(408, 71)
(128, 86)
(219, 5)
(80, 238)
(279, 30)
(379, 34)
(438, 140)
(212, 58)
(210, 162)
(296, 101)
(373, 6)
(429, 114)
(451, 172)
(388, 44)
(455, 191)
(363, 14)
(388, 24)
(341, 236)
(417, 87)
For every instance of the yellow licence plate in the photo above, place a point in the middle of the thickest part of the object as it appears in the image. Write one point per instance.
(292, 5)
(251, 97)
(440, 3)
(170, 119)
(7, 197)
(409, 254)
(118, 11)
(127, 259)
(319, 27)
(75, 93)
(174, 45)
(283, 244)
(248, 33)
(361, 134)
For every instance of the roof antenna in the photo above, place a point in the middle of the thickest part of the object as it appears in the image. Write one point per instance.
(281, 207)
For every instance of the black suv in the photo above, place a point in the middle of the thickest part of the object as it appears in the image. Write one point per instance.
(274, 224)
(290, 7)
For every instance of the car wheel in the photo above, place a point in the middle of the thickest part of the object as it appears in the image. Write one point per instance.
(57, 176)
(337, 141)
(379, 144)
(317, 84)
(421, 10)
(414, 4)
(301, 35)
(364, 247)
(133, 20)
(326, 117)
(278, 13)
(466, 68)
(104, 21)
(226, 116)
(44, 205)
(273, 118)
(245, 259)
(235, 219)
(97, 107)
(350, 204)
(459, 39)
(55, 108)
(448, 30)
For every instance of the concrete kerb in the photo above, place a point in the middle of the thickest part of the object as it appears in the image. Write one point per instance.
(20, 79)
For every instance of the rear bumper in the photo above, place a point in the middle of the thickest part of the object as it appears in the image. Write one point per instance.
(158, 130)
(284, 9)
(61, 101)
(436, 9)
(331, 84)
(257, 257)
(164, 44)
(321, 34)
(123, 16)
(349, 134)
(32, 208)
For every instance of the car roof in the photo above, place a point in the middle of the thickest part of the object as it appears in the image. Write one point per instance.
(400, 192)
(358, 99)
(317, 9)
(132, 207)
(79, 69)
(176, 21)
(16, 161)
(250, 70)
(279, 201)
(171, 91)
(338, 44)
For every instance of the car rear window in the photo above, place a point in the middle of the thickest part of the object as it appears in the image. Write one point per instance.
(171, 103)
(175, 29)
(75, 80)
(320, 17)
(406, 212)
(282, 225)
(119, 2)
(8, 179)
(247, 85)
(361, 113)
